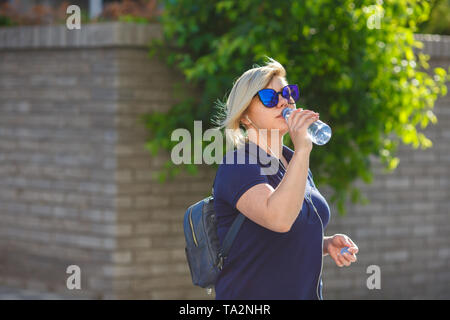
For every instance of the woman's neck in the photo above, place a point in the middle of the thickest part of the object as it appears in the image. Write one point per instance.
(274, 149)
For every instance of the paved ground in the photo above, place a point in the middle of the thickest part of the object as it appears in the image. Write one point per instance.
(8, 293)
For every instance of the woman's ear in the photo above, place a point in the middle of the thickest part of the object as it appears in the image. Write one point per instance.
(244, 122)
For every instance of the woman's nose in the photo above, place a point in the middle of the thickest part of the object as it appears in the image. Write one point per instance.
(283, 101)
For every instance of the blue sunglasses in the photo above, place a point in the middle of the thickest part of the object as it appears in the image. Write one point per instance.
(269, 97)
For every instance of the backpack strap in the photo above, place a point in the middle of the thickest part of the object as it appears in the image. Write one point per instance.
(229, 238)
(231, 234)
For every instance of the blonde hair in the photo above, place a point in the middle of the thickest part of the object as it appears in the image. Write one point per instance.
(244, 88)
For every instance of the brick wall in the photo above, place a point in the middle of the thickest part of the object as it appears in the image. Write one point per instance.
(405, 230)
(77, 186)
(75, 179)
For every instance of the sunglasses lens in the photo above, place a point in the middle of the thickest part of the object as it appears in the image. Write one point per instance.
(291, 91)
(268, 97)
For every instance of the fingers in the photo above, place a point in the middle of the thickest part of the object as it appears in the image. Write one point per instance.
(350, 254)
(342, 241)
(340, 261)
(349, 257)
(345, 259)
(345, 241)
(308, 119)
(353, 248)
(300, 117)
(293, 119)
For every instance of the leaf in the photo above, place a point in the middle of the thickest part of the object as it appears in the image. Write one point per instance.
(367, 84)
(440, 72)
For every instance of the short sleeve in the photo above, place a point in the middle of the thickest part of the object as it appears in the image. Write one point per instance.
(233, 180)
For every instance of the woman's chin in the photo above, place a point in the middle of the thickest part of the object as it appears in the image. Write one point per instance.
(283, 127)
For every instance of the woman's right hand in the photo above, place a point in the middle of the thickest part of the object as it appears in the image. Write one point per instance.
(298, 123)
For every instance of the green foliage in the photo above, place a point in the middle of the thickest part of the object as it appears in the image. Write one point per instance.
(6, 21)
(439, 22)
(133, 19)
(367, 83)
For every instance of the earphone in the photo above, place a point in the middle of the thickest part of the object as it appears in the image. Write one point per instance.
(265, 141)
(251, 122)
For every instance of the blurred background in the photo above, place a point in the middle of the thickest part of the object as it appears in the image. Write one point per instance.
(85, 182)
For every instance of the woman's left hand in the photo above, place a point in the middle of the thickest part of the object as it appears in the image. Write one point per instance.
(333, 246)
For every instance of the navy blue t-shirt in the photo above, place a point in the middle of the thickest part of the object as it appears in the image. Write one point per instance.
(264, 264)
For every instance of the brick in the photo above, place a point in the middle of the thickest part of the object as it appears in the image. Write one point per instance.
(97, 215)
(134, 162)
(103, 188)
(150, 201)
(424, 182)
(398, 182)
(174, 281)
(168, 242)
(124, 229)
(76, 199)
(135, 188)
(423, 206)
(132, 215)
(123, 176)
(15, 207)
(8, 194)
(177, 255)
(123, 202)
(152, 228)
(398, 231)
(371, 232)
(373, 207)
(396, 256)
(144, 175)
(443, 253)
(122, 257)
(176, 228)
(129, 243)
(41, 210)
(169, 294)
(382, 219)
(164, 269)
(167, 214)
(104, 202)
(423, 230)
(424, 157)
(153, 255)
(397, 208)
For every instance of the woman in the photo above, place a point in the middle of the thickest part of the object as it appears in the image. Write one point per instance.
(278, 251)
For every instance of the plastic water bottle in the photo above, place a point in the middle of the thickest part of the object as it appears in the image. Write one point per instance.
(319, 132)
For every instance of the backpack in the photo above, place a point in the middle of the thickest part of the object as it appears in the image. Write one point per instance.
(204, 253)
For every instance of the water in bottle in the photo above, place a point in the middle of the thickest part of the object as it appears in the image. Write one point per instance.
(319, 132)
